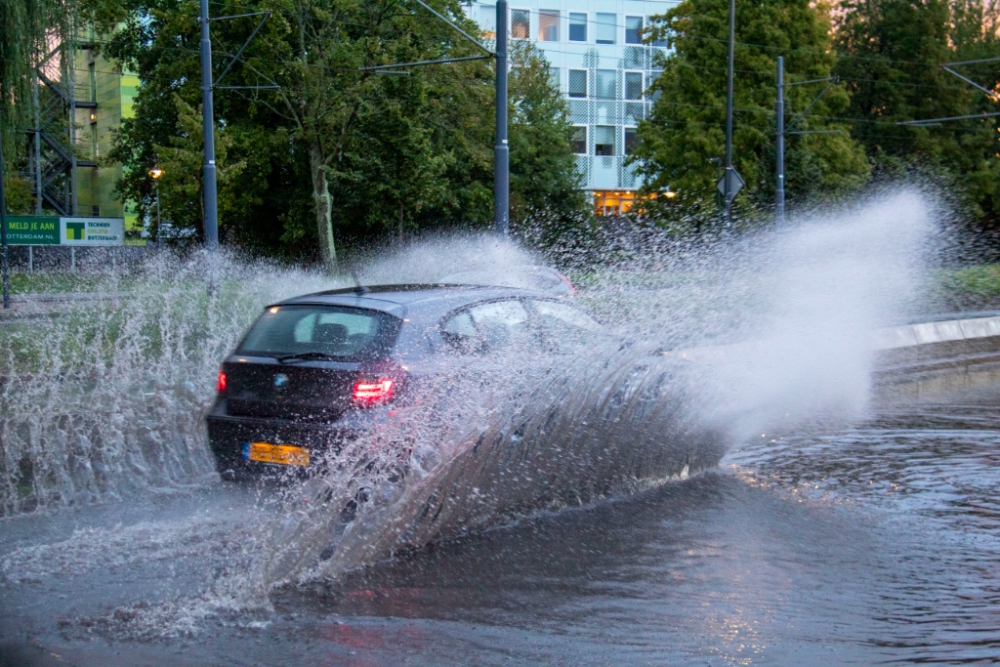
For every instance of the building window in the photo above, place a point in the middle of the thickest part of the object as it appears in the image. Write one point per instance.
(488, 21)
(631, 140)
(577, 27)
(579, 141)
(548, 25)
(606, 28)
(606, 84)
(578, 83)
(633, 85)
(604, 139)
(554, 78)
(633, 30)
(520, 23)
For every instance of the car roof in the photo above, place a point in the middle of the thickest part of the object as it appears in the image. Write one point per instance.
(394, 299)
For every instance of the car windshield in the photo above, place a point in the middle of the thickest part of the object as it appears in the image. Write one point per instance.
(315, 332)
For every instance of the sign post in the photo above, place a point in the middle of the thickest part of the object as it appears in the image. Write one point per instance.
(3, 225)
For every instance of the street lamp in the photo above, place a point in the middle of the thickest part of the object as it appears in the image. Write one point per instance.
(156, 172)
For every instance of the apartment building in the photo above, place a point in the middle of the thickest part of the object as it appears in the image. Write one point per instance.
(602, 66)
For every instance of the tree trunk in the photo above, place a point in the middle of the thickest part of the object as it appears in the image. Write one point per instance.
(324, 208)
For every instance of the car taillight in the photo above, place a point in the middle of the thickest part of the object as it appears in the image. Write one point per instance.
(572, 290)
(373, 393)
(220, 384)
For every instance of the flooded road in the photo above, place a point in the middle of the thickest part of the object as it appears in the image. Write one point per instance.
(866, 545)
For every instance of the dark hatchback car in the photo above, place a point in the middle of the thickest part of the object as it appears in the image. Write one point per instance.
(318, 370)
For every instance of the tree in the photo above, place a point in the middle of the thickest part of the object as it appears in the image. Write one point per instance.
(543, 174)
(686, 127)
(24, 25)
(338, 152)
(180, 186)
(890, 52)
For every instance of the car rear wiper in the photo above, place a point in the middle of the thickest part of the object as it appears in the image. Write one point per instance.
(306, 356)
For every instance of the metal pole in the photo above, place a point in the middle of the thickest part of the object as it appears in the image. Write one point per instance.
(71, 93)
(4, 263)
(729, 116)
(38, 145)
(208, 125)
(501, 155)
(779, 190)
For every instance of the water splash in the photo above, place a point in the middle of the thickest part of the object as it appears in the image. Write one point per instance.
(717, 344)
(668, 402)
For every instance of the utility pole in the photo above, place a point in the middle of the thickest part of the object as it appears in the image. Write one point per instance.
(728, 193)
(501, 160)
(71, 94)
(38, 144)
(209, 181)
(779, 190)
(4, 260)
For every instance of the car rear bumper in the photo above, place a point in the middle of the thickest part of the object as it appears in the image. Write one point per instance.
(228, 437)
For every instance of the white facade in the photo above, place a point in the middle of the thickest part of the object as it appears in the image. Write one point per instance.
(603, 69)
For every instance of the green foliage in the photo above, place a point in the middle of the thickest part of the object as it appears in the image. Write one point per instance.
(395, 153)
(543, 176)
(23, 25)
(890, 52)
(977, 281)
(686, 127)
(18, 192)
(181, 162)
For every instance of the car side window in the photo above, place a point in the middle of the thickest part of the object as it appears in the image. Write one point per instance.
(486, 327)
(554, 315)
(564, 328)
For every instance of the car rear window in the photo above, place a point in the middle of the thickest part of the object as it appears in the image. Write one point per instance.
(349, 333)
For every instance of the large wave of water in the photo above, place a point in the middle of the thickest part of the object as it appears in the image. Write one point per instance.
(713, 345)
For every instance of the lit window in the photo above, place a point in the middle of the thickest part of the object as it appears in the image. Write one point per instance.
(606, 28)
(520, 23)
(577, 27)
(633, 85)
(631, 140)
(578, 83)
(606, 84)
(633, 30)
(548, 25)
(604, 139)
(579, 141)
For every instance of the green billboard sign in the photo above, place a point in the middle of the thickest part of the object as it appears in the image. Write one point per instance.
(32, 230)
(45, 230)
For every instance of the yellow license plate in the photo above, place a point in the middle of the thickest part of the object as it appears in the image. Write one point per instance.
(288, 455)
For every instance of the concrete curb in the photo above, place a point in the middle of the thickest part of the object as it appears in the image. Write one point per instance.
(919, 362)
(937, 332)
